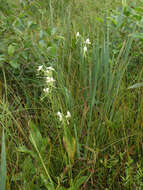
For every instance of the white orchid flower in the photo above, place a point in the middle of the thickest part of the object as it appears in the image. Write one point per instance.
(46, 90)
(84, 49)
(50, 79)
(59, 114)
(40, 68)
(77, 34)
(50, 69)
(87, 41)
(68, 115)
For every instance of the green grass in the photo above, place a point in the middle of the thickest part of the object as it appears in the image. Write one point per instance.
(3, 164)
(100, 145)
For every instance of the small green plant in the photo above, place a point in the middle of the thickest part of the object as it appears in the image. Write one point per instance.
(133, 176)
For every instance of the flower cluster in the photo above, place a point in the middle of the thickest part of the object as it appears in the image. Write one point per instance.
(62, 117)
(85, 42)
(48, 75)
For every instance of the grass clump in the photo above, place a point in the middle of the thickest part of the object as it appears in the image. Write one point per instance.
(70, 95)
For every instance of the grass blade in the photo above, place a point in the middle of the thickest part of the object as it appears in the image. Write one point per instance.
(3, 164)
(137, 85)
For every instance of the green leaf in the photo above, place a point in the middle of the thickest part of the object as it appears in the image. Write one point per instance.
(137, 85)
(42, 44)
(14, 63)
(3, 164)
(11, 50)
(70, 146)
(48, 185)
(2, 58)
(60, 37)
(124, 3)
(113, 20)
(137, 35)
(54, 30)
(32, 26)
(52, 50)
(26, 151)
(35, 134)
(19, 25)
(36, 139)
(80, 181)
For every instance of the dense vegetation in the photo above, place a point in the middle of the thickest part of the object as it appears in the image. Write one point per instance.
(71, 106)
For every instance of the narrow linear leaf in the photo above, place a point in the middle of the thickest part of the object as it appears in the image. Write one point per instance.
(80, 181)
(3, 164)
(137, 85)
(137, 35)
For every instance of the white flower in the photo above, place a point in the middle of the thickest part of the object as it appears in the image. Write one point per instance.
(87, 41)
(84, 49)
(59, 114)
(77, 34)
(50, 79)
(46, 90)
(68, 114)
(50, 69)
(40, 68)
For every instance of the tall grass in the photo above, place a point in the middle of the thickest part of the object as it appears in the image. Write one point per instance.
(3, 163)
